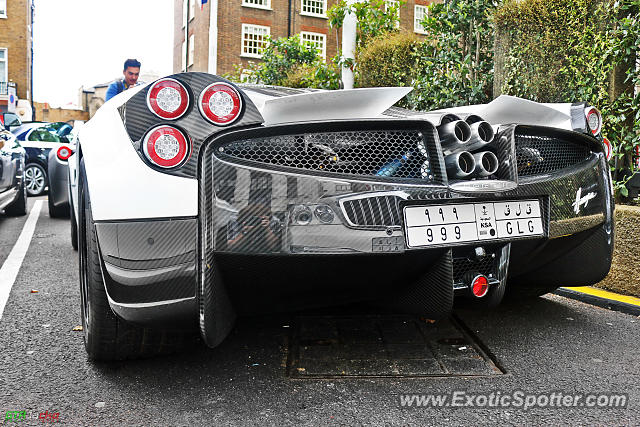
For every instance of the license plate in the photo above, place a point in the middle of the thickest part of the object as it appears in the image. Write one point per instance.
(439, 225)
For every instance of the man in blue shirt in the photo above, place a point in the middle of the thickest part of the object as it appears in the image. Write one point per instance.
(131, 72)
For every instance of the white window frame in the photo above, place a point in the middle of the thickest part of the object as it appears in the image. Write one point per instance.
(183, 60)
(321, 52)
(192, 49)
(3, 9)
(317, 15)
(256, 4)
(388, 3)
(192, 9)
(184, 13)
(5, 62)
(245, 27)
(417, 26)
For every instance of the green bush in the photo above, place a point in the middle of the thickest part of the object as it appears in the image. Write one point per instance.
(388, 60)
(567, 51)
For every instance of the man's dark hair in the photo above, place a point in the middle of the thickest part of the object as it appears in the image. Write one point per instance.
(131, 63)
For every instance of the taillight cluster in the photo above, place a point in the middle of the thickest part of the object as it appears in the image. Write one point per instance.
(594, 119)
(167, 146)
(64, 153)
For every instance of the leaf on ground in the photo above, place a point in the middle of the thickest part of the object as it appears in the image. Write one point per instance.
(77, 328)
(34, 291)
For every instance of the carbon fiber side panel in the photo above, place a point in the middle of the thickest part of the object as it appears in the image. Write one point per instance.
(431, 295)
(138, 119)
(149, 261)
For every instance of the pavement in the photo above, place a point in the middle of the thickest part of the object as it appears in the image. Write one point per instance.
(543, 346)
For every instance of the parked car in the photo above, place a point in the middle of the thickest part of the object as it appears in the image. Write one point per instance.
(198, 200)
(38, 138)
(58, 176)
(13, 191)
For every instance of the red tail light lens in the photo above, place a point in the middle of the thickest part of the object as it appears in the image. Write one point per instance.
(607, 147)
(64, 153)
(220, 103)
(168, 99)
(594, 119)
(166, 146)
(480, 286)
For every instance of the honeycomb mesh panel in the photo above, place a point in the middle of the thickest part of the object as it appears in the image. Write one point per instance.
(462, 266)
(402, 154)
(544, 154)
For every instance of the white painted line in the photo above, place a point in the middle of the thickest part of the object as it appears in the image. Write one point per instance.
(11, 267)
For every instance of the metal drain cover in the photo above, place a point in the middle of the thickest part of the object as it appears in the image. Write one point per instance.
(385, 346)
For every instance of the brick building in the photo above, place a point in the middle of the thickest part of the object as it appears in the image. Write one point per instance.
(16, 47)
(224, 33)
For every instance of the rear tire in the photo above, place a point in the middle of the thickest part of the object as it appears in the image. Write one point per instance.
(61, 211)
(107, 337)
(19, 206)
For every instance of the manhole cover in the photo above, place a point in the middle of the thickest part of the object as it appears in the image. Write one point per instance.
(385, 346)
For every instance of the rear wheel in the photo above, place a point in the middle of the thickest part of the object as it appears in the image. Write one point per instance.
(36, 179)
(19, 206)
(106, 337)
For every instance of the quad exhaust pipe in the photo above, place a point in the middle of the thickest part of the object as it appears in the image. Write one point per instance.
(486, 163)
(460, 165)
(481, 134)
(454, 135)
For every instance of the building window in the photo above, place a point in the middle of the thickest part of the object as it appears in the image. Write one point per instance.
(260, 4)
(184, 13)
(314, 8)
(183, 65)
(419, 13)
(4, 70)
(254, 40)
(317, 40)
(3, 8)
(388, 4)
(192, 49)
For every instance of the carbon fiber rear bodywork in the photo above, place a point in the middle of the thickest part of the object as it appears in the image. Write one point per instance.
(309, 214)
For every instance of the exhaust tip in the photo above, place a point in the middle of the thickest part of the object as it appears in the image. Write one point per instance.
(460, 165)
(462, 131)
(485, 131)
(486, 163)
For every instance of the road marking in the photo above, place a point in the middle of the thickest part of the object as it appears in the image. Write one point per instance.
(11, 267)
(606, 294)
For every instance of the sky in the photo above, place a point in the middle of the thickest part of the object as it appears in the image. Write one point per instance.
(85, 42)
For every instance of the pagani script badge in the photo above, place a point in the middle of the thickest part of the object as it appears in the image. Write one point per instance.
(580, 200)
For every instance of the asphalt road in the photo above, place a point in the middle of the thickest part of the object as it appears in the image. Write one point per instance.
(550, 344)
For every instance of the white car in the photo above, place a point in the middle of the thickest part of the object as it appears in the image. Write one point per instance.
(197, 200)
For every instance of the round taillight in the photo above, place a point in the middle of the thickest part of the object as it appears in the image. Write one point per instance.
(166, 146)
(220, 103)
(479, 286)
(64, 153)
(607, 147)
(594, 119)
(168, 99)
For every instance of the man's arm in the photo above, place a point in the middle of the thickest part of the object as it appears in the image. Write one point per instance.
(112, 91)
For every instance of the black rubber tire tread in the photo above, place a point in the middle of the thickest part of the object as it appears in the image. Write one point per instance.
(515, 292)
(61, 211)
(19, 206)
(108, 337)
(74, 232)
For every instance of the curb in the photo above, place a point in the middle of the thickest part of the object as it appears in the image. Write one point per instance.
(602, 298)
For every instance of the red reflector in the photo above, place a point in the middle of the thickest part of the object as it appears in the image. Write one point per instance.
(166, 146)
(168, 99)
(480, 286)
(220, 103)
(607, 148)
(64, 153)
(594, 119)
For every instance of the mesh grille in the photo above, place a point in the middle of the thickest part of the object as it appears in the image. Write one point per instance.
(462, 266)
(371, 211)
(384, 153)
(544, 154)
